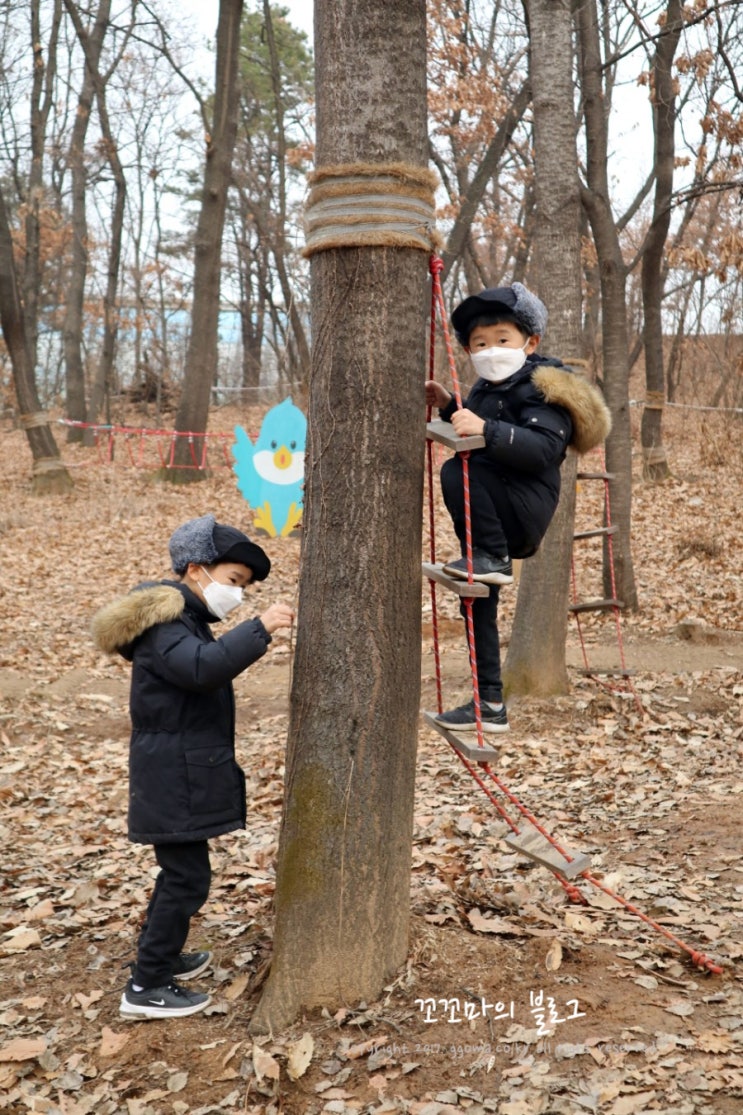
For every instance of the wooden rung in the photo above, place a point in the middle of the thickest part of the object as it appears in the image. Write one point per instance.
(462, 588)
(595, 476)
(469, 748)
(595, 605)
(530, 843)
(443, 432)
(596, 532)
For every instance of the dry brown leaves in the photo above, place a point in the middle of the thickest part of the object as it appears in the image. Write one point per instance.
(514, 1000)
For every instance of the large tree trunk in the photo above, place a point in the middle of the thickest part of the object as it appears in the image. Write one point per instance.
(654, 461)
(343, 878)
(613, 279)
(536, 655)
(202, 353)
(49, 474)
(72, 329)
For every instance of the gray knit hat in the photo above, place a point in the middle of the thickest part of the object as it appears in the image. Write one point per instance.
(518, 302)
(204, 541)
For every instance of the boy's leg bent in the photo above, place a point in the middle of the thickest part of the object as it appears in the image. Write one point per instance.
(487, 505)
(181, 889)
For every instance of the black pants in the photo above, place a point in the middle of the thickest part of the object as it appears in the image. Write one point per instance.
(181, 889)
(496, 530)
(497, 527)
(487, 644)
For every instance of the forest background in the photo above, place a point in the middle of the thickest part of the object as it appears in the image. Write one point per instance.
(101, 232)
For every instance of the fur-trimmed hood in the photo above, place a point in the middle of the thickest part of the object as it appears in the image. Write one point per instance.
(116, 626)
(590, 414)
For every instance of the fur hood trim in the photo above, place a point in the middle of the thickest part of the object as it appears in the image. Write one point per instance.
(590, 414)
(118, 624)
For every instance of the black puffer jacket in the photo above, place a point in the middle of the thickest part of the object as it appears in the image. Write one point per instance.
(530, 420)
(184, 781)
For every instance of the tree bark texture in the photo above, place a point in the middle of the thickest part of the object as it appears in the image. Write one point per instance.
(613, 281)
(343, 877)
(654, 461)
(50, 475)
(72, 330)
(535, 662)
(42, 99)
(202, 353)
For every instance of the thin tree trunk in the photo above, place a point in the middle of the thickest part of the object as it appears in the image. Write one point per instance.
(72, 329)
(613, 279)
(300, 337)
(104, 373)
(343, 877)
(202, 353)
(49, 473)
(42, 98)
(536, 655)
(654, 460)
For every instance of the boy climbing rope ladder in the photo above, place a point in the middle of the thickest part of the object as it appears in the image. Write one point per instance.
(529, 409)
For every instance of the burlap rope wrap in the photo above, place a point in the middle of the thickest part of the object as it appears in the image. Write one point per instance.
(29, 421)
(371, 205)
(654, 400)
(47, 464)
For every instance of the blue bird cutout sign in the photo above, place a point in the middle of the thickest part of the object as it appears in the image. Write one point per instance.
(270, 473)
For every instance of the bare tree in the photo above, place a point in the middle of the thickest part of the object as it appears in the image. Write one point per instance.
(663, 97)
(42, 100)
(613, 279)
(536, 655)
(49, 473)
(201, 357)
(72, 329)
(343, 874)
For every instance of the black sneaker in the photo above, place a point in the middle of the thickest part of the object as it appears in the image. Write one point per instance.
(191, 964)
(462, 719)
(485, 567)
(170, 1001)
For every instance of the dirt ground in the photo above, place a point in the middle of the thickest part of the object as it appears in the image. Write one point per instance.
(518, 997)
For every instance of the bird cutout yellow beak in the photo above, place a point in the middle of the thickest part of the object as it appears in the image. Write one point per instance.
(282, 458)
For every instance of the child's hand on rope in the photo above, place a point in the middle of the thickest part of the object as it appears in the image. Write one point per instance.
(466, 423)
(436, 394)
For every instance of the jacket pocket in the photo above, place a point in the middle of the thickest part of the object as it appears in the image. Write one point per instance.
(213, 779)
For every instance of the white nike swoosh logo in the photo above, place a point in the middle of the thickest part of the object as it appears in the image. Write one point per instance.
(156, 1002)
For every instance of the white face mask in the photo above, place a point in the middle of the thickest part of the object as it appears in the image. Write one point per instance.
(498, 363)
(221, 599)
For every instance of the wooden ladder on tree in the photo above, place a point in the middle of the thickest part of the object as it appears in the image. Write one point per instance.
(598, 532)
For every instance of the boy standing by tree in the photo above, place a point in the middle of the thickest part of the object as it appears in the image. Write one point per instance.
(529, 409)
(184, 783)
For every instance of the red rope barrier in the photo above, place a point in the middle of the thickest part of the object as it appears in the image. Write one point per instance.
(572, 891)
(166, 453)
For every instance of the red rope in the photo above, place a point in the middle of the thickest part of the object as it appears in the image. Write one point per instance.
(574, 894)
(436, 267)
(165, 443)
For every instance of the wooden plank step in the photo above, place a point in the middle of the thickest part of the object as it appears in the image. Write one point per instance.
(443, 432)
(530, 843)
(597, 532)
(462, 588)
(465, 743)
(595, 476)
(595, 605)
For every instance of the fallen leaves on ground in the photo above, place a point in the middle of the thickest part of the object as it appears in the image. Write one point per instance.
(514, 999)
